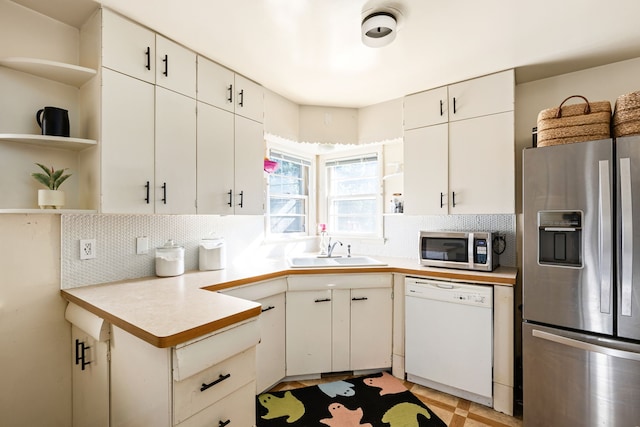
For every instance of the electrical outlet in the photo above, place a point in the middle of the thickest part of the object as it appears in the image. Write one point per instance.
(87, 248)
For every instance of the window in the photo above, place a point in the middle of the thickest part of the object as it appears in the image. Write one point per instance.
(353, 195)
(288, 195)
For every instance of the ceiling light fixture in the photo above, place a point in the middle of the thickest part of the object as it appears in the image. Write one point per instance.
(378, 29)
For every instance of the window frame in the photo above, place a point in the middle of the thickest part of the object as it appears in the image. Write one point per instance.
(324, 202)
(309, 199)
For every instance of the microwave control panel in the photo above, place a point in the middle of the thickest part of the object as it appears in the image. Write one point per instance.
(480, 251)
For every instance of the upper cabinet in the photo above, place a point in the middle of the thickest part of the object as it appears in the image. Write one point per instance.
(175, 67)
(128, 47)
(138, 52)
(222, 88)
(426, 108)
(479, 97)
(459, 148)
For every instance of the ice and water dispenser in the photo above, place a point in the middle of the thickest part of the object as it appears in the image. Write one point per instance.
(560, 238)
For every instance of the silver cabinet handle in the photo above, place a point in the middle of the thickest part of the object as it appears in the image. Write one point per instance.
(604, 236)
(581, 345)
(626, 218)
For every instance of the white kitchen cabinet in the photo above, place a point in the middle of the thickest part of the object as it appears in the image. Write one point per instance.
(308, 332)
(426, 170)
(426, 108)
(127, 144)
(175, 67)
(338, 323)
(371, 328)
(222, 88)
(481, 96)
(90, 379)
(249, 167)
(465, 166)
(230, 154)
(212, 375)
(175, 153)
(270, 353)
(482, 165)
(128, 47)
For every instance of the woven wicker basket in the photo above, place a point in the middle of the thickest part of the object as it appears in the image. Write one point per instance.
(626, 117)
(574, 123)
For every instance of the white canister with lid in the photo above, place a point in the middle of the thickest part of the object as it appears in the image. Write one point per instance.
(212, 254)
(169, 259)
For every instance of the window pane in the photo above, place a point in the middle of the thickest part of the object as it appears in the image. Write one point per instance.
(355, 224)
(285, 185)
(281, 206)
(360, 206)
(282, 224)
(354, 187)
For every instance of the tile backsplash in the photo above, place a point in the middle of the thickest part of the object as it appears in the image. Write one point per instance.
(115, 236)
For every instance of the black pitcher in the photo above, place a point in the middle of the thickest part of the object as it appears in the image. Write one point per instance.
(53, 121)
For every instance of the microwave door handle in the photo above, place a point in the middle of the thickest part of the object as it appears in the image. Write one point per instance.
(604, 236)
(470, 256)
(626, 219)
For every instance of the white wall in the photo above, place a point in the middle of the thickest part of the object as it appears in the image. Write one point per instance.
(35, 338)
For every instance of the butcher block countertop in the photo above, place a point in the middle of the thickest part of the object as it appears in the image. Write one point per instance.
(167, 311)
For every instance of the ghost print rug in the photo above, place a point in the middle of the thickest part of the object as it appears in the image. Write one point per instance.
(378, 400)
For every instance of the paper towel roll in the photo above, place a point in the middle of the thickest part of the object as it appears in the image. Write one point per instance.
(87, 321)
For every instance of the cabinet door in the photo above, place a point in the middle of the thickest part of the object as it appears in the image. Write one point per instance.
(308, 332)
(249, 99)
(249, 167)
(91, 382)
(175, 153)
(175, 67)
(340, 330)
(481, 161)
(127, 144)
(128, 47)
(215, 160)
(270, 353)
(371, 328)
(426, 108)
(485, 95)
(426, 170)
(215, 84)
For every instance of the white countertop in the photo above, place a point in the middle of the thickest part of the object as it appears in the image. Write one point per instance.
(166, 311)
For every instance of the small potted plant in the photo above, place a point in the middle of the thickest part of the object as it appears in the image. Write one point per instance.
(50, 197)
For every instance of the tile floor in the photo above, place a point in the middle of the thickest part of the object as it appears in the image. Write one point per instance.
(454, 411)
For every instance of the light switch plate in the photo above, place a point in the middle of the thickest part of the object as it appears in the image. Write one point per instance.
(142, 245)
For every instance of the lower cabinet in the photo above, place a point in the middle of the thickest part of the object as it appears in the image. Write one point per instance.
(206, 381)
(90, 379)
(270, 352)
(343, 329)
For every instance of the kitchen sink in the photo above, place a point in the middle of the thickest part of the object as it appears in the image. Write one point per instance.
(320, 262)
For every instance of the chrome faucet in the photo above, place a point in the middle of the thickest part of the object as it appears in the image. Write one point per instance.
(332, 246)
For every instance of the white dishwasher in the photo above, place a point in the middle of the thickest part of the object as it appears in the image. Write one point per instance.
(449, 337)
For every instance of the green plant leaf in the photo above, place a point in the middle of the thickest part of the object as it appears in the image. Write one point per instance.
(52, 179)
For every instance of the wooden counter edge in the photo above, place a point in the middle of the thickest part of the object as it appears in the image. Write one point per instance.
(445, 274)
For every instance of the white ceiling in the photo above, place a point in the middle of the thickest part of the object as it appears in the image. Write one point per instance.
(310, 51)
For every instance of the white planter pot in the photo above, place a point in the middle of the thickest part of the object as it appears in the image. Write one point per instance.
(52, 199)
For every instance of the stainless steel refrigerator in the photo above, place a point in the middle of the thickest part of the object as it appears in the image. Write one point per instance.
(581, 284)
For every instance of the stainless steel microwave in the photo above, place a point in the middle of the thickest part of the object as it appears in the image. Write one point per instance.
(465, 250)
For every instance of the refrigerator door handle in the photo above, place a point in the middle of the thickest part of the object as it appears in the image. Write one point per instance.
(605, 236)
(626, 219)
(581, 345)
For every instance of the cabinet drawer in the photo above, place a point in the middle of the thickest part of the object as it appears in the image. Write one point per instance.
(198, 355)
(207, 387)
(236, 409)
